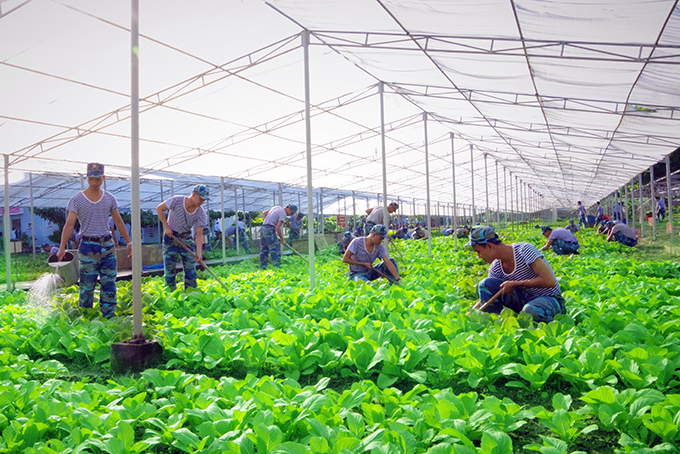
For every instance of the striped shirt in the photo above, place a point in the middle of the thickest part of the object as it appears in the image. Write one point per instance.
(358, 249)
(275, 215)
(93, 216)
(525, 255)
(179, 219)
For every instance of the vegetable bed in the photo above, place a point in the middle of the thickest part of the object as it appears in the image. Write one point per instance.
(356, 368)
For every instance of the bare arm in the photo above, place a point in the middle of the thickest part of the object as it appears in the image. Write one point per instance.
(161, 209)
(369, 211)
(547, 245)
(199, 244)
(390, 266)
(348, 258)
(66, 233)
(545, 278)
(279, 231)
(113, 235)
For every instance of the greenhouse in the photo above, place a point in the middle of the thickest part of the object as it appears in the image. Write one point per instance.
(502, 114)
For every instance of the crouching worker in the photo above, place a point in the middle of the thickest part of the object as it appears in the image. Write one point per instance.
(622, 233)
(527, 280)
(362, 252)
(562, 241)
(343, 244)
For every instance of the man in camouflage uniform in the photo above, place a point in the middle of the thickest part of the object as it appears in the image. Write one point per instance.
(184, 214)
(97, 252)
(272, 227)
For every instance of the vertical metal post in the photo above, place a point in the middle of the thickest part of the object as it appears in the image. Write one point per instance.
(486, 190)
(505, 195)
(134, 180)
(669, 195)
(498, 200)
(453, 180)
(632, 204)
(322, 228)
(308, 143)
(7, 227)
(354, 209)
(651, 198)
(30, 185)
(427, 189)
(238, 241)
(224, 246)
(159, 225)
(642, 211)
(512, 205)
(281, 205)
(386, 222)
(172, 188)
(472, 181)
(625, 203)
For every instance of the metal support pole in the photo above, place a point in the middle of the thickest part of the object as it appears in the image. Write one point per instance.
(651, 198)
(224, 246)
(512, 205)
(308, 143)
(642, 211)
(354, 209)
(472, 181)
(486, 190)
(453, 173)
(281, 205)
(498, 200)
(134, 178)
(386, 222)
(7, 227)
(30, 185)
(632, 204)
(427, 189)
(669, 195)
(505, 196)
(159, 226)
(322, 228)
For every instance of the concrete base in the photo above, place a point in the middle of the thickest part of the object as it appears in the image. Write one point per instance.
(135, 357)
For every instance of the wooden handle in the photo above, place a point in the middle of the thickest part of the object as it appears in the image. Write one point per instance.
(491, 300)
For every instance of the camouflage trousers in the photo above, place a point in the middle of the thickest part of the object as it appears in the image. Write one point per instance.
(269, 245)
(98, 260)
(173, 253)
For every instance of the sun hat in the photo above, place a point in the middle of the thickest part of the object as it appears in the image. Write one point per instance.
(348, 234)
(95, 170)
(293, 208)
(481, 234)
(380, 230)
(202, 191)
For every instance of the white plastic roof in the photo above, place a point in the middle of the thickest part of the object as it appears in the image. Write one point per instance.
(571, 97)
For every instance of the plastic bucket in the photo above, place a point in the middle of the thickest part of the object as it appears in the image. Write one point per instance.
(67, 269)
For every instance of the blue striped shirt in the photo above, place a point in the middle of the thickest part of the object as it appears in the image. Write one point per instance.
(179, 219)
(93, 216)
(525, 255)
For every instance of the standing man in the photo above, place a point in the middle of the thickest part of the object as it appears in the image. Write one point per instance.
(295, 226)
(272, 227)
(379, 215)
(581, 210)
(96, 252)
(599, 214)
(660, 208)
(526, 278)
(616, 212)
(184, 213)
(562, 241)
(362, 252)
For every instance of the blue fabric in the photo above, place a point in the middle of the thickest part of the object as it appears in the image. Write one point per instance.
(582, 221)
(623, 239)
(242, 241)
(173, 253)
(561, 247)
(598, 220)
(269, 245)
(368, 227)
(371, 275)
(293, 234)
(661, 215)
(98, 259)
(542, 309)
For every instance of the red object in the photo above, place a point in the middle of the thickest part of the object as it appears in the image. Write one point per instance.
(606, 218)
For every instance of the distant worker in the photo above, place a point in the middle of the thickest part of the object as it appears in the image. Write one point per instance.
(581, 211)
(562, 241)
(295, 224)
(362, 252)
(343, 244)
(272, 227)
(660, 208)
(520, 270)
(616, 212)
(605, 227)
(599, 214)
(400, 233)
(184, 213)
(379, 215)
(242, 240)
(463, 232)
(420, 234)
(96, 251)
(623, 234)
(49, 249)
(573, 228)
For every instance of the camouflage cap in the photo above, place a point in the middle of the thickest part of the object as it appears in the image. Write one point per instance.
(95, 170)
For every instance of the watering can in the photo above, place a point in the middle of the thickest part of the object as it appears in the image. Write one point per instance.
(67, 269)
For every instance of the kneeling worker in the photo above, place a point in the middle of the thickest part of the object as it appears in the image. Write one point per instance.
(562, 241)
(362, 252)
(622, 233)
(520, 270)
(463, 232)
